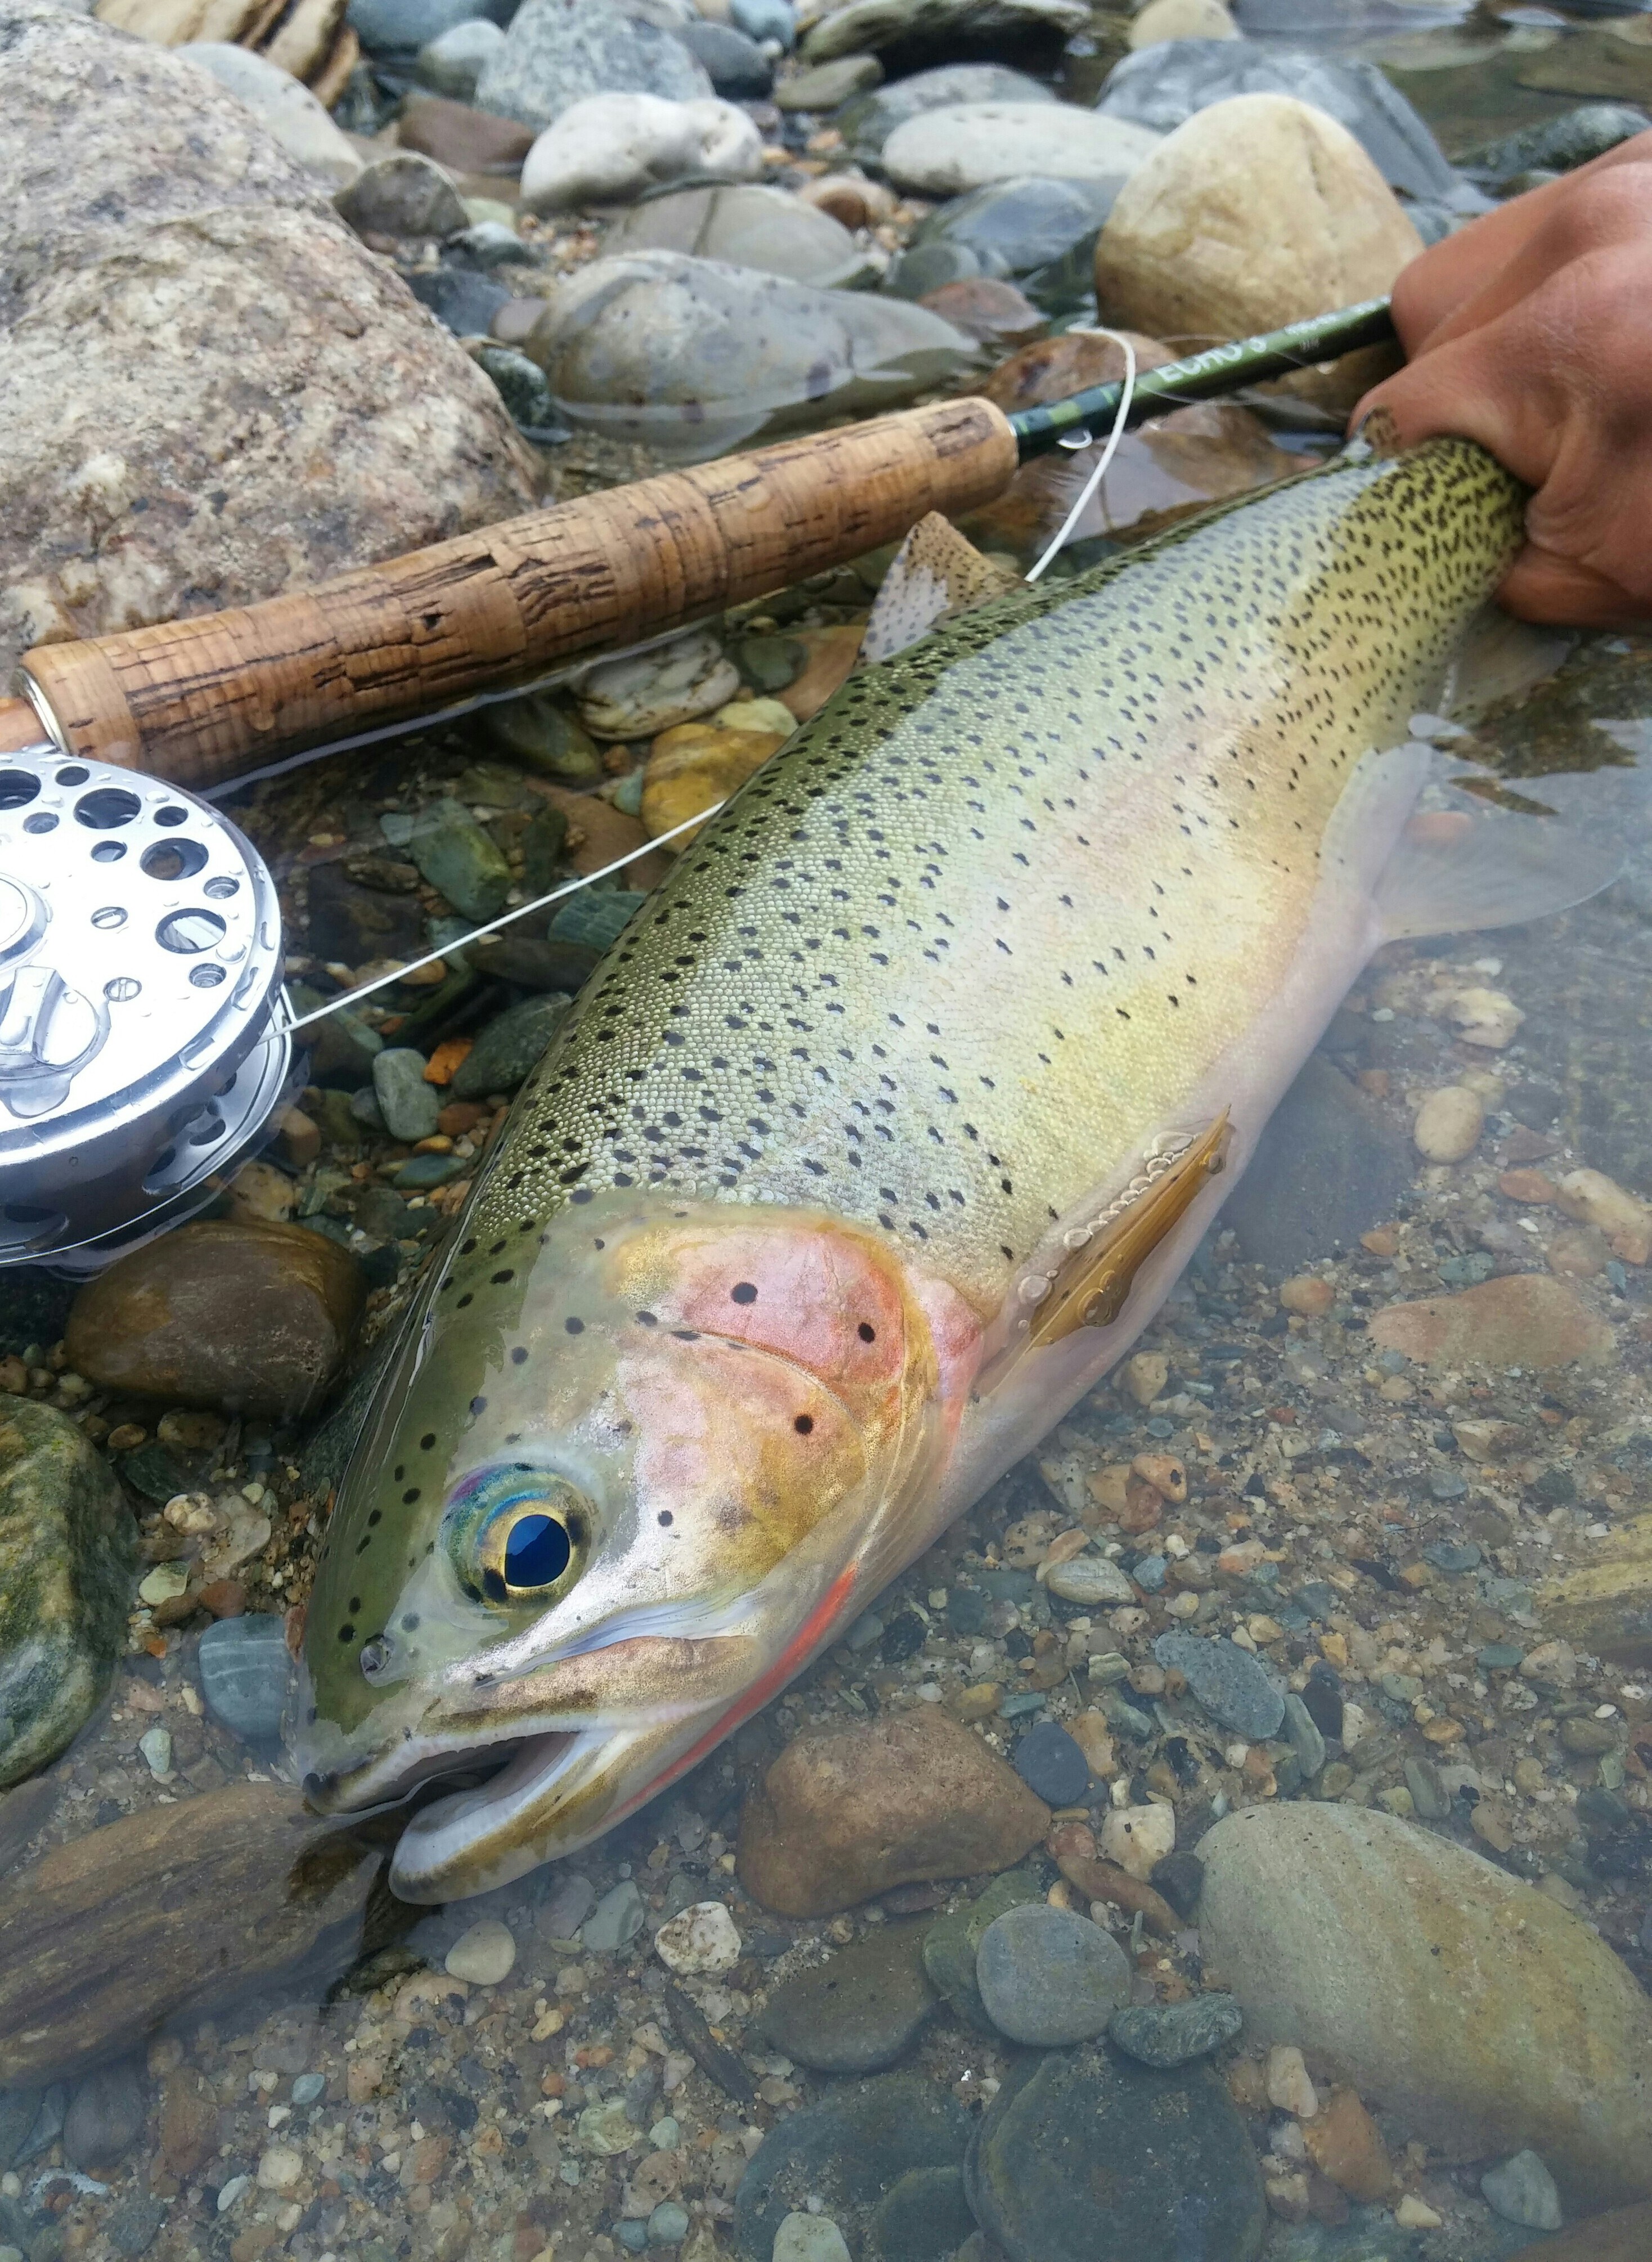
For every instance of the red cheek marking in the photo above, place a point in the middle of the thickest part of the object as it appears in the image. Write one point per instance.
(796, 1654)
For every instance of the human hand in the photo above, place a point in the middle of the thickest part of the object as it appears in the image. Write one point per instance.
(1530, 332)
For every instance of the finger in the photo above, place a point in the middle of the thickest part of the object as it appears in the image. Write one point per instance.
(1560, 592)
(1491, 387)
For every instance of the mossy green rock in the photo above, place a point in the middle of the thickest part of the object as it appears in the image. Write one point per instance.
(1485, 2017)
(951, 1942)
(67, 1550)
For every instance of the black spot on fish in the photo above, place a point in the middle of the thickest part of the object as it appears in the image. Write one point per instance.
(743, 1293)
(803, 1424)
(500, 1279)
(376, 1516)
(665, 1515)
(427, 1441)
(410, 1624)
(410, 1495)
(519, 1357)
(574, 1327)
(479, 1406)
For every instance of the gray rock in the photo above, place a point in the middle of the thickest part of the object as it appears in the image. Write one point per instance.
(910, 35)
(1049, 1761)
(510, 1049)
(461, 300)
(1041, 231)
(106, 2116)
(47, 2125)
(1465, 2004)
(285, 109)
(309, 2088)
(566, 1906)
(67, 1546)
(952, 1942)
(1048, 1976)
(946, 152)
(290, 344)
(615, 1920)
(1166, 2035)
(457, 858)
(524, 392)
(1429, 1796)
(1236, 1688)
(1306, 1740)
(803, 2237)
(867, 124)
(846, 2151)
(765, 20)
(452, 64)
(1163, 85)
(135, 2225)
(246, 1670)
(737, 66)
(18, 2108)
(1169, 2151)
(557, 52)
(860, 2011)
(1329, 1166)
(403, 194)
(1556, 144)
(1522, 2190)
(923, 2217)
(826, 85)
(403, 26)
(693, 357)
(748, 226)
(409, 1104)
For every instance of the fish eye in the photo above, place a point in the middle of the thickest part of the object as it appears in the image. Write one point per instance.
(522, 1542)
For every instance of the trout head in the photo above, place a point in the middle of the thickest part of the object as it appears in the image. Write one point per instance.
(630, 1474)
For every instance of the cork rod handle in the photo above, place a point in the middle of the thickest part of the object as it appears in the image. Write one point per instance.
(205, 699)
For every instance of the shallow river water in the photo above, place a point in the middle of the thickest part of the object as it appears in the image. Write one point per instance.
(1362, 1530)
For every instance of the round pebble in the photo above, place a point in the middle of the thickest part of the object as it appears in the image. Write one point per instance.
(155, 1744)
(1049, 1762)
(1522, 2190)
(633, 2237)
(1234, 1688)
(809, 2239)
(1138, 1837)
(1448, 1124)
(617, 1919)
(668, 2224)
(1173, 2033)
(246, 1670)
(237, 2187)
(1090, 1579)
(279, 2168)
(484, 1955)
(308, 2088)
(409, 1104)
(666, 2134)
(701, 1939)
(1049, 1976)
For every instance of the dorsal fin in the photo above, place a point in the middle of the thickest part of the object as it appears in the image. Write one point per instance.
(935, 572)
(1090, 1287)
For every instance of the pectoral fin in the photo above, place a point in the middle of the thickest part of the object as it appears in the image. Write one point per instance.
(1454, 870)
(1089, 1289)
(935, 572)
(1500, 656)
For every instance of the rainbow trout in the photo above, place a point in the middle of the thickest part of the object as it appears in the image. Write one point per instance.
(879, 1136)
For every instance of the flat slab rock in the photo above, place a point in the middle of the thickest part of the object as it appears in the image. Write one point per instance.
(213, 391)
(173, 1909)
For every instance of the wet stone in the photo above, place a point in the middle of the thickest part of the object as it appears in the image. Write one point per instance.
(464, 302)
(510, 1049)
(135, 2226)
(1522, 2190)
(615, 1920)
(951, 1942)
(861, 2010)
(867, 122)
(1049, 1761)
(559, 52)
(846, 2151)
(809, 2239)
(106, 2116)
(18, 2108)
(459, 860)
(748, 226)
(407, 1103)
(1556, 144)
(923, 2217)
(1181, 2177)
(246, 1672)
(1328, 1165)
(1048, 1976)
(1180, 1878)
(1306, 1740)
(1174, 2034)
(67, 1550)
(1235, 1688)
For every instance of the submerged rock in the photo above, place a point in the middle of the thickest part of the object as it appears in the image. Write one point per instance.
(1257, 212)
(1165, 2034)
(858, 2012)
(941, 153)
(1557, 145)
(1027, 224)
(173, 1909)
(1085, 2157)
(1482, 2014)
(693, 357)
(67, 1549)
(247, 1318)
(1047, 1976)
(510, 1047)
(1162, 88)
(558, 52)
(748, 226)
(847, 1811)
(847, 2151)
(1525, 1318)
(1236, 1688)
(182, 295)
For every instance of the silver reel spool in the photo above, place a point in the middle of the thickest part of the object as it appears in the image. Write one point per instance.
(143, 1036)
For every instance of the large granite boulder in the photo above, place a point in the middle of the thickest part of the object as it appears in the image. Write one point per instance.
(211, 390)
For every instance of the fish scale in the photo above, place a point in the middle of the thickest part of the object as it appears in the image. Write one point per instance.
(802, 1013)
(877, 1138)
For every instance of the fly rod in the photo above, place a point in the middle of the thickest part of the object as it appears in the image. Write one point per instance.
(422, 638)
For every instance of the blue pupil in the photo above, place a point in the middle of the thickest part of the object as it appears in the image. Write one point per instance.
(537, 1552)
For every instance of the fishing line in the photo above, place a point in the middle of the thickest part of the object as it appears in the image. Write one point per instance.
(1120, 418)
(521, 911)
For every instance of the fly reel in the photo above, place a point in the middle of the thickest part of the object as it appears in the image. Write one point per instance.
(143, 1031)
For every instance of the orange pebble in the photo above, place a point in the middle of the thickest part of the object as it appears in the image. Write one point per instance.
(1527, 1187)
(445, 1059)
